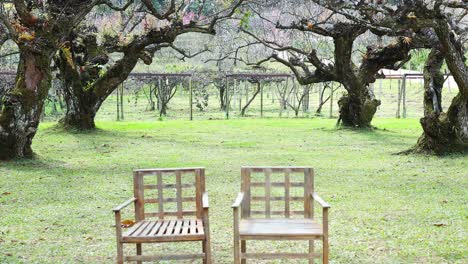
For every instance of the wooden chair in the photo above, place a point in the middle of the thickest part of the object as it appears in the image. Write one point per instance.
(161, 224)
(284, 191)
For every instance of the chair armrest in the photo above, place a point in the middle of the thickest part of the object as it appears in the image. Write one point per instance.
(319, 200)
(122, 206)
(205, 202)
(238, 201)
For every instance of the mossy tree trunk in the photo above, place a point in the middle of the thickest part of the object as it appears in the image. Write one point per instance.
(444, 132)
(86, 87)
(358, 109)
(23, 105)
(81, 109)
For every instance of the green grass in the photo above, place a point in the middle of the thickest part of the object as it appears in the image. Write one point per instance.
(57, 208)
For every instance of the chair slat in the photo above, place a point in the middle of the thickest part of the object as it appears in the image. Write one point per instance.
(256, 212)
(267, 193)
(160, 195)
(152, 172)
(275, 169)
(185, 227)
(148, 229)
(198, 193)
(179, 194)
(287, 198)
(171, 213)
(246, 187)
(168, 186)
(277, 184)
(193, 226)
(155, 229)
(170, 228)
(172, 200)
(142, 227)
(277, 198)
(307, 192)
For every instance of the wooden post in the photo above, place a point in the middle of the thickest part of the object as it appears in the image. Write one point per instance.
(159, 95)
(331, 100)
(280, 99)
(399, 100)
(191, 98)
(227, 98)
(121, 102)
(234, 94)
(261, 98)
(240, 98)
(403, 92)
(118, 105)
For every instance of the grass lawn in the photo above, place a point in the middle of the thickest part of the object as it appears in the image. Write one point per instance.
(385, 208)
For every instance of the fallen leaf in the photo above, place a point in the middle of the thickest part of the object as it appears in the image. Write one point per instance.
(127, 223)
(439, 224)
(6, 193)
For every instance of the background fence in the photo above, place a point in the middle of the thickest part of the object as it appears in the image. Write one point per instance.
(189, 95)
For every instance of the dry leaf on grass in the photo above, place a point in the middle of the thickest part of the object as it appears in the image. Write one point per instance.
(127, 223)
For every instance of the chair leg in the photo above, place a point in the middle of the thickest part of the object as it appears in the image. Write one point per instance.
(311, 251)
(207, 250)
(325, 250)
(139, 251)
(204, 251)
(243, 250)
(237, 259)
(120, 256)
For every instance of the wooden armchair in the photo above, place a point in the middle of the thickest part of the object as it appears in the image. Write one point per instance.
(157, 222)
(286, 190)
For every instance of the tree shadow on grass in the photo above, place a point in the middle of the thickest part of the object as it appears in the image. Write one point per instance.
(386, 136)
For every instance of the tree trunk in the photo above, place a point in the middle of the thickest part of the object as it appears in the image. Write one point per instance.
(82, 107)
(24, 104)
(357, 109)
(442, 132)
(445, 132)
(85, 92)
(257, 91)
(222, 96)
(433, 83)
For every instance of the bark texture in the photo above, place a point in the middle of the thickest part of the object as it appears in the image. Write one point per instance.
(38, 32)
(23, 105)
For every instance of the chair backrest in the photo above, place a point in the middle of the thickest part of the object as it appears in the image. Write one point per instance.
(169, 193)
(267, 189)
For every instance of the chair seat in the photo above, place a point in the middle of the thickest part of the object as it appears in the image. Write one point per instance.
(165, 231)
(288, 229)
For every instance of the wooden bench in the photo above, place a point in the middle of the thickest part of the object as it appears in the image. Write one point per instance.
(166, 224)
(278, 224)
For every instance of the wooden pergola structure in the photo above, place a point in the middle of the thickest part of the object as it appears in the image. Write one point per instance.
(254, 78)
(159, 76)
